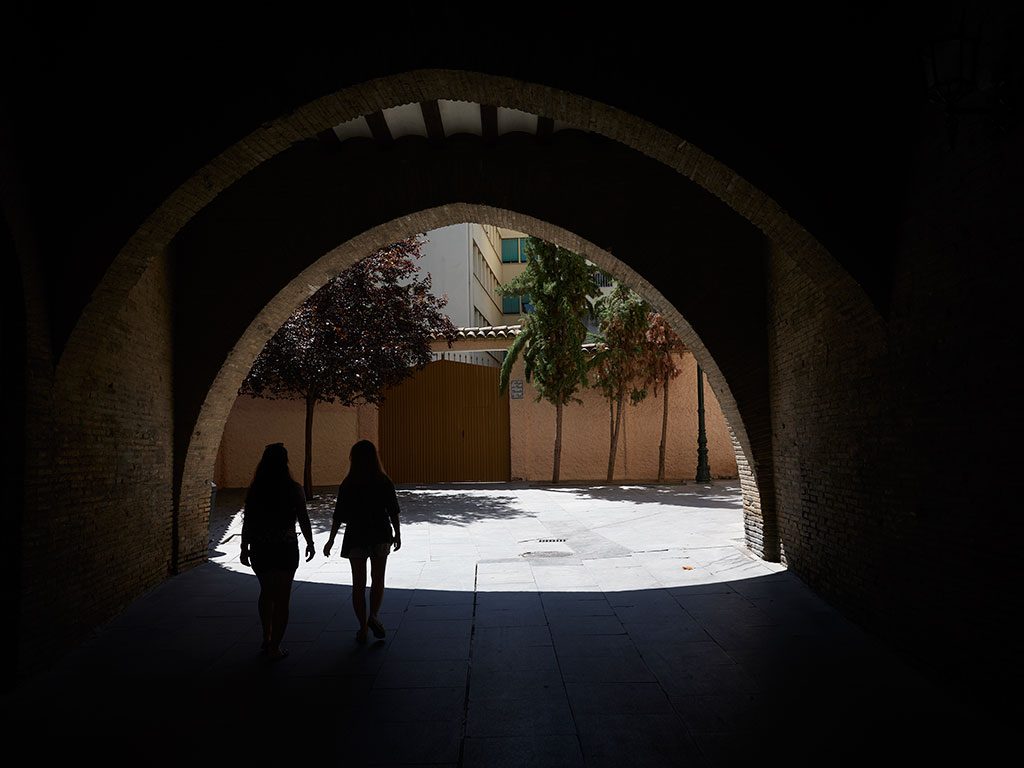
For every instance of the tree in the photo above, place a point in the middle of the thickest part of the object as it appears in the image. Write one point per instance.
(560, 286)
(660, 363)
(619, 360)
(360, 334)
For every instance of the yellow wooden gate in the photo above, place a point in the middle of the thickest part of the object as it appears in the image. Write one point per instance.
(447, 423)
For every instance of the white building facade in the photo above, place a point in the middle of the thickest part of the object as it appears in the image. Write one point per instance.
(468, 262)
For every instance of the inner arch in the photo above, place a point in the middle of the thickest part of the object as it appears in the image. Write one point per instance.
(640, 221)
(209, 427)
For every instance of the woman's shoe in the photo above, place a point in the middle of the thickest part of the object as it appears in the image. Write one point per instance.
(277, 655)
(377, 627)
(361, 636)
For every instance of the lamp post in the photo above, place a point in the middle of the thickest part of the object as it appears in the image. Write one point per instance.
(703, 470)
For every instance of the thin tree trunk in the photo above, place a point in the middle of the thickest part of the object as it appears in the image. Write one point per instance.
(611, 419)
(307, 464)
(664, 431)
(611, 430)
(615, 438)
(558, 442)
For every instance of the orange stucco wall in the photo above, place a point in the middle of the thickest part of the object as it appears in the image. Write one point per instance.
(254, 423)
(586, 439)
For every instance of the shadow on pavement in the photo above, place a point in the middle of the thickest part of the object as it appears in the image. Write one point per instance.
(721, 494)
(747, 671)
(458, 504)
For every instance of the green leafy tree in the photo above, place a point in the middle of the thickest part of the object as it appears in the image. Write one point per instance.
(661, 365)
(618, 363)
(560, 287)
(359, 335)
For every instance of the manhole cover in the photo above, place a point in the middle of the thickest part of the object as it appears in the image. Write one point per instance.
(547, 553)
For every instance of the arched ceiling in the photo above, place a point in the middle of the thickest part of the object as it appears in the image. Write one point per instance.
(821, 107)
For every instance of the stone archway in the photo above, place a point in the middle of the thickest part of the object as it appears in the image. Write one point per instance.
(116, 361)
(284, 216)
(205, 438)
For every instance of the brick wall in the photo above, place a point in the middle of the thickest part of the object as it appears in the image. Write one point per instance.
(830, 419)
(884, 436)
(955, 330)
(100, 532)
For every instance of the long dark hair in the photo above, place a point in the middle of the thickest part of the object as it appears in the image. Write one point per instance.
(272, 482)
(364, 464)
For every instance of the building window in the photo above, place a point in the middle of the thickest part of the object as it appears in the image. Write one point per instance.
(509, 251)
(516, 305)
(513, 250)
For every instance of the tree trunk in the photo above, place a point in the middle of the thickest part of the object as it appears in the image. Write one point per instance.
(664, 431)
(615, 437)
(611, 430)
(558, 443)
(307, 465)
(611, 419)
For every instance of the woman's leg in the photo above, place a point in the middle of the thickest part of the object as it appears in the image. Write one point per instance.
(359, 591)
(377, 566)
(282, 591)
(266, 607)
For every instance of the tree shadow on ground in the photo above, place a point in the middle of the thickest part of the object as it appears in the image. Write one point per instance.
(720, 494)
(461, 504)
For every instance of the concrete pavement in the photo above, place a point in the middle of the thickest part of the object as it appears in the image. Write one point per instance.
(526, 626)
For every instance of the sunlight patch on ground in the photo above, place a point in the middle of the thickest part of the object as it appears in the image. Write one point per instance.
(529, 539)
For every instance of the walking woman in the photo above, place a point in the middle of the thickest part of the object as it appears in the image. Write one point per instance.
(274, 503)
(368, 506)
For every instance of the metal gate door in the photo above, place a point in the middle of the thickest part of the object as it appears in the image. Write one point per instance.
(448, 423)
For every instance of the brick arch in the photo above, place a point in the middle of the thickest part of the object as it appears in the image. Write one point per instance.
(112, 299)
(583, 113)
(209, 427)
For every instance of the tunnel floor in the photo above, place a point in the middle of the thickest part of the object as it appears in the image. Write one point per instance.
(590, 626)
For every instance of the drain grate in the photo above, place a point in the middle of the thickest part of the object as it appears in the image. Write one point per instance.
(550, 541)
(532, 555)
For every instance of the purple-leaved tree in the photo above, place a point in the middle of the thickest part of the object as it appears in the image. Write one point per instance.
(359, 335)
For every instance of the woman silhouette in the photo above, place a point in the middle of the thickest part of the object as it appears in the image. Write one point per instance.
(368, 506)
(272, 506)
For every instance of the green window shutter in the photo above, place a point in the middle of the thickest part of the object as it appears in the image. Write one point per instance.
(509, 251)
(522, 249)
(510, 305)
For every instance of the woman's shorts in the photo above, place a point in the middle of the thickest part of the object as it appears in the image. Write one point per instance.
(282, 556)
(371, 550)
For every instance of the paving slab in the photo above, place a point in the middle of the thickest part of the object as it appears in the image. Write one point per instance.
(649, 636)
